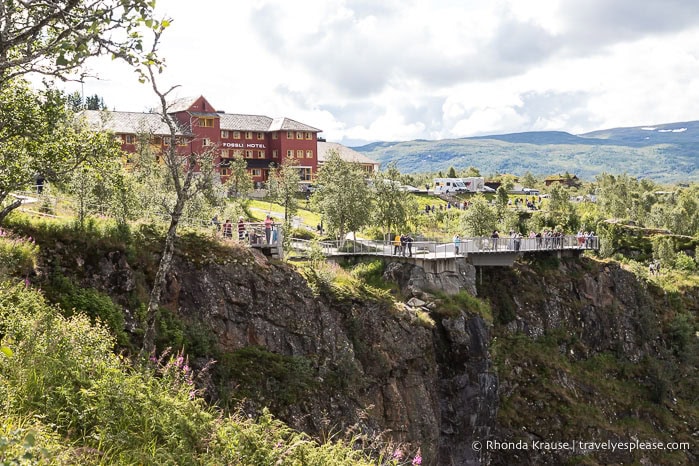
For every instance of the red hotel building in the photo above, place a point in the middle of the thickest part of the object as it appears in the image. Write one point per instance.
(261, 140)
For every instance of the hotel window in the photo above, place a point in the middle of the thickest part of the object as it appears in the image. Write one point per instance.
(158, 141)
(275, 135)
(206, 142)
(181, 141)
(248, 134)
(275, 154)
(236, 134)
(206, 122)
(305, 173)
(299, 154)
(248, 154)
(238, 153)
(256, 172)
(166, 141)
(129, 139)
(299, 135)
(224, 171)
(290, 154)
(260, 135)
(309, 154)
(309, 136)
(226, 153)
(261, 154)
(224, 134)
(290, 135)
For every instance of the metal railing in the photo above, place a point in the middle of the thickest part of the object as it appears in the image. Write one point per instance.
(436, 249)
(253, 233)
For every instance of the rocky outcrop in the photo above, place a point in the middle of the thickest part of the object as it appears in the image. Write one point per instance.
(414, 280)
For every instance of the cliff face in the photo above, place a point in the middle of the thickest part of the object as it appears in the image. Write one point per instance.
(577, 349)
(377, 373)
(588, 352)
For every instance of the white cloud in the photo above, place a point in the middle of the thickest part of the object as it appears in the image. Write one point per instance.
(393, 70)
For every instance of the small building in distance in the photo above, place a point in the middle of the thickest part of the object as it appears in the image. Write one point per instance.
(262, 141)
(566, 180)
(346, 154)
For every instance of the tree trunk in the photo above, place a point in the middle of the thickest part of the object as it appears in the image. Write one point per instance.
(6, 211)
(159, 283)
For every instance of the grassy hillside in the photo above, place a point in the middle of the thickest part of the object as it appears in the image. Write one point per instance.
(666, 153)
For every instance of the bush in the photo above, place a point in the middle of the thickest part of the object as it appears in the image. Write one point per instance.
(684, 262)
(74, 299)
(302, 233)
(17, 256)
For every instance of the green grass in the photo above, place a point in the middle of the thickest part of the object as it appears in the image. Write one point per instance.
(260, 208)
(68, 399)
(453, 305)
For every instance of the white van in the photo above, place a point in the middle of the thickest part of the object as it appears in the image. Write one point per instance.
(449, 185)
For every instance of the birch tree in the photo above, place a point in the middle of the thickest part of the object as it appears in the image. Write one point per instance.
(189, 175)
(343, 196)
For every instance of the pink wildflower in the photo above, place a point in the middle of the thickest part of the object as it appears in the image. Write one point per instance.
(397, 454)
(417, 460)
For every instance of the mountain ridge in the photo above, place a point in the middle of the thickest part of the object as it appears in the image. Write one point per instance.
(667, 152)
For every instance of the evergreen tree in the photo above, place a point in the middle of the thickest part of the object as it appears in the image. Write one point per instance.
(95, 102)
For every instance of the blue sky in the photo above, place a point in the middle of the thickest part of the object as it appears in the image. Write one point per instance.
(366, 70)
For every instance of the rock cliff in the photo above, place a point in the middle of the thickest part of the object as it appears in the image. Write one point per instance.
(576, 348)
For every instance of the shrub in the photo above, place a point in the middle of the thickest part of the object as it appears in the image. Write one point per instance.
(269, 377)
(17, 255)
(463, 301)
(302, 233)
(684, 262)
(74, 299)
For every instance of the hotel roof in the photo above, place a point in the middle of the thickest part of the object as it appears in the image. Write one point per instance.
(127, 122)
(346, 154)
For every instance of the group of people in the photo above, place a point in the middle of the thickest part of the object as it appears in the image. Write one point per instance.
(447, 206)
(226, 230)
(654, 268)
(585, 238)
(546, 239)
(403, 245)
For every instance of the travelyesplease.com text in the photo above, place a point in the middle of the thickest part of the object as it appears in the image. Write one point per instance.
(578, 445)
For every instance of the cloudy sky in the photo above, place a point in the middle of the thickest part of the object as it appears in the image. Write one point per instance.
(388, 70)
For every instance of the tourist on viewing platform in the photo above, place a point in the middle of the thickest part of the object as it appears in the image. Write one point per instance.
(547, 239)
(396, 245)
(241, 228)
(590, 239)
(494, 238)
(402, 245)
(228, 229)
(268, 229)
(457, 244)
(409, 244)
